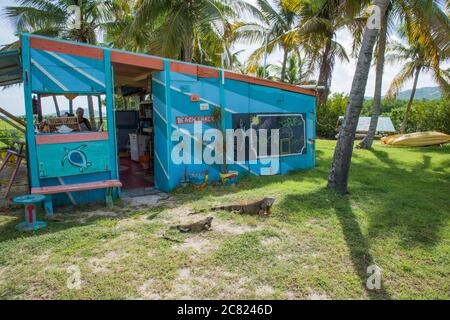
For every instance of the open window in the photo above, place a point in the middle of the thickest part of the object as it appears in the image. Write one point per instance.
(70, 113)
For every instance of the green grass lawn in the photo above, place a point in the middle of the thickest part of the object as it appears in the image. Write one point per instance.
(315, 245)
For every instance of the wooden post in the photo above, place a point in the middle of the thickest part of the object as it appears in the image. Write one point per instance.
(70, 106)
(110, 118)
(31, 142)
(55, 101)
(39, 108)
(100, 109)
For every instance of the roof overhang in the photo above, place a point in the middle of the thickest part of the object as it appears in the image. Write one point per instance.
(10, 68)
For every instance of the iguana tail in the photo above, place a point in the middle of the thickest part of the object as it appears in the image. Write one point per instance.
(209, 209)
(165, 236)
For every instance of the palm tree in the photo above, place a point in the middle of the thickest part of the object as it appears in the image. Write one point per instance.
(261, 71)
(319, 22)
(419, 17)
(416, 59)
(298, 70)
(338, 177)
(50, 18)
(176, 28)
(275, 31)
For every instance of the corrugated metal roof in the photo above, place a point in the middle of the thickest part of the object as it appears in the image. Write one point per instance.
(384, 124)
(10, 68)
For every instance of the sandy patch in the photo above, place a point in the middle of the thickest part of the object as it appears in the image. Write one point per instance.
(103, 264)
(197, 244)
(126, 223)
(289, 295)
(189, 286)
(264, 291)
(147, 290)
(43, 257)
(180, 211)
(235, 286)
(232, 228)
(270, 241)
(318, 296)
(285, 256)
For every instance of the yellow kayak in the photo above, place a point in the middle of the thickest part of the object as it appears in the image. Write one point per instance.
(417, 139)
(387, 140)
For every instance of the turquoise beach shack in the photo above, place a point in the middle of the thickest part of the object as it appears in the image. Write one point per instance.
(130, 148)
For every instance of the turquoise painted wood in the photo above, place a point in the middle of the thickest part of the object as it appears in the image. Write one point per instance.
(31, 142)
(110, 115)
(68, 159)
(172, 182)
(60, 73)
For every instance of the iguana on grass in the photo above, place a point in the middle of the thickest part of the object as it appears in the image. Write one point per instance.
(261, 207)
(196, 227)
(199, 226)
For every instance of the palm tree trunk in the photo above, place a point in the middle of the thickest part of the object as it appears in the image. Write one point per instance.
(324, 74)
(366, 143)
(91, 113)
(410, 102)
(338, 177)
(188, 49)
(283, 67)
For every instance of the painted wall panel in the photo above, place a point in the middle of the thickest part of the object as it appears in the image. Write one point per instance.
(60, 73)
(237, 96)
(160, 121)
(265, 100)
(159, 98)
(60, 160)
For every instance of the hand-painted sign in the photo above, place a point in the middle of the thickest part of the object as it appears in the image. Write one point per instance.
(73, 158)
(76, 157)
(192, 119)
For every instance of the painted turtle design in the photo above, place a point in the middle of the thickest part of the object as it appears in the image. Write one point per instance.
(76, 157)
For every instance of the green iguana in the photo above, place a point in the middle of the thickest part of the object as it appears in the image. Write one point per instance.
(260, 207)
(199, 226)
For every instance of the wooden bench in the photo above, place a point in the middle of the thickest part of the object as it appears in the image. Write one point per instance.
(67, 188)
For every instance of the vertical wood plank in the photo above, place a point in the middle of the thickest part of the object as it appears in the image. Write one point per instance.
(110, 116)
(169, 121)
(31, 143)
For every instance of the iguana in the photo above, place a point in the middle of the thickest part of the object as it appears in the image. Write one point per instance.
(199, 226)
(260, 207)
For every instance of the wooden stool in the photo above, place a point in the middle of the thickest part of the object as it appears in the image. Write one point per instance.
(30, 201)
(19, 156)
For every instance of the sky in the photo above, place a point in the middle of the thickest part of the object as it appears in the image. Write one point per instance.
(11, 99)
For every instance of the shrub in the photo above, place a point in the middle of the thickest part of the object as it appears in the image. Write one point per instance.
(328, 115)
(425, 115)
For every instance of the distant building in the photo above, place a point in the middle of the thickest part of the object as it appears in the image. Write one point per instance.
(384, 126)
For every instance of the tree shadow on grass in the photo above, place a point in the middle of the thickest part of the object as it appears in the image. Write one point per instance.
(70, 219)
(356, 242)
(413, 207)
